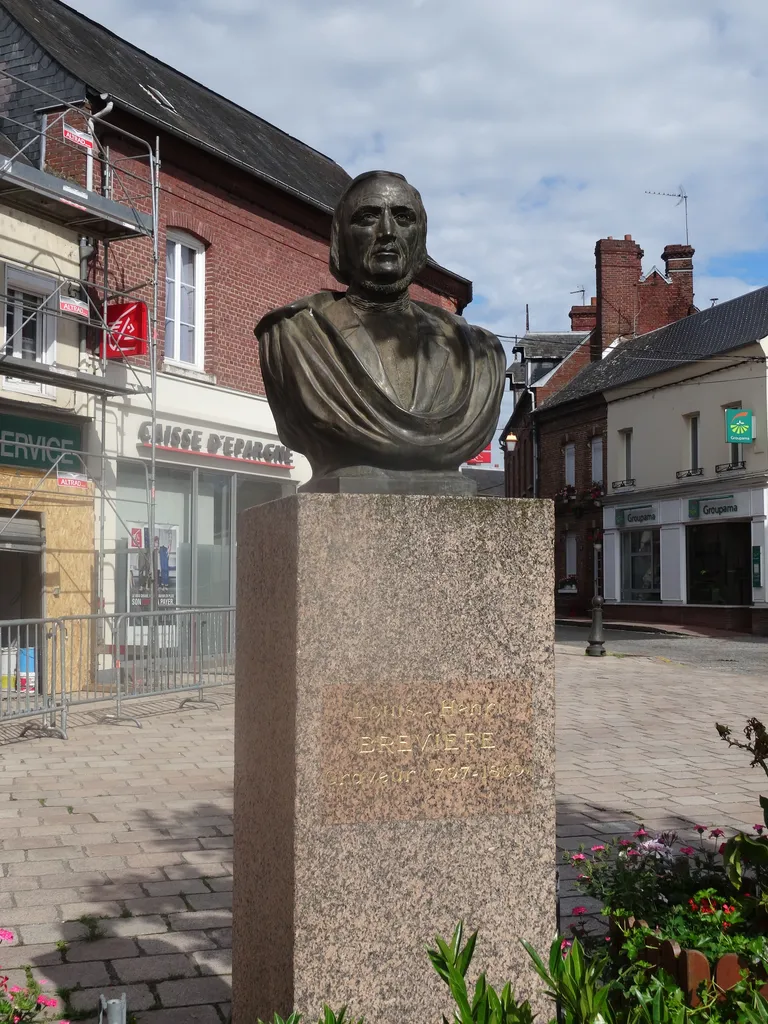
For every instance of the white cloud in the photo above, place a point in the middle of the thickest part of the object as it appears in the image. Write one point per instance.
(531, 129)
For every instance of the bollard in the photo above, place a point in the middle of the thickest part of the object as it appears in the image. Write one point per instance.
(596, 645)
(113, 1011)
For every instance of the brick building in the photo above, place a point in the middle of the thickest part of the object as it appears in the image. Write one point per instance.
(560, 430)
(243, 214)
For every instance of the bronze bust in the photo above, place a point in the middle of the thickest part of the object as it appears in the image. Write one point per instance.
(381, 393)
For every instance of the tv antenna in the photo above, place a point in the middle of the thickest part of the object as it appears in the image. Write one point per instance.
(682, 197)
(580, 291)
(714, 301)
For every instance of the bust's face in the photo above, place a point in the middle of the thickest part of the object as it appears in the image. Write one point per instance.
(382, 235)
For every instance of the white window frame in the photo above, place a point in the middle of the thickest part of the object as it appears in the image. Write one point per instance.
(596, 453)
(569, 460)
(17, 279)
(177, 239)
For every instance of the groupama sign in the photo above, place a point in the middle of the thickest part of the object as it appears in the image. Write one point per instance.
(739, 426)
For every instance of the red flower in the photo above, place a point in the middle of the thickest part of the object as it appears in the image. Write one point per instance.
(578, 911)
(721, 848)
(759, 829)
(633, 853)
(701, 829)
(716, 833)
(726, 925)
(576, 857)
(626, 842)
(640, 833)
(693, 904)
(687, 850)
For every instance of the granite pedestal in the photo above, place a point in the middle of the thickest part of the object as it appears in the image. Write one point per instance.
(394, 748)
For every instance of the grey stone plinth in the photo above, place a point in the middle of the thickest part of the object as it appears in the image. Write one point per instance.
(394, 748)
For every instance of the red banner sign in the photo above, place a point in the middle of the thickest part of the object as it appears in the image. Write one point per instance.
(129, 329)
(79, 138)
(483, 458)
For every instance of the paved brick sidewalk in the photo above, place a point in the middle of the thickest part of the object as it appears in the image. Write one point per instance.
(636, 743)
(117, 862)
(116, 845)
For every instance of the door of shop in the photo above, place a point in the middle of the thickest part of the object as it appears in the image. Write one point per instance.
(21, 577)
(719, 563)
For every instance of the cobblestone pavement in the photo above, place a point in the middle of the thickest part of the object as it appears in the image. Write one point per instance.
(116, 845)
(636, 743)
(747, 654)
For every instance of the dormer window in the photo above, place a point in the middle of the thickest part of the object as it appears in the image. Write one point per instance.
(158, 97)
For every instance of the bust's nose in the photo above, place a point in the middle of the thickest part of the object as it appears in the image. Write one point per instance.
(386, 224)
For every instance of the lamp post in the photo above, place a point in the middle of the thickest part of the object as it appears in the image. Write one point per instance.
(510, 443)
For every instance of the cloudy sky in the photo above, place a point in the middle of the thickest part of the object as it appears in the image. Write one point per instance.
(531, 127)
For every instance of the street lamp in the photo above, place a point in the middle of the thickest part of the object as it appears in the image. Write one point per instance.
(510, 442)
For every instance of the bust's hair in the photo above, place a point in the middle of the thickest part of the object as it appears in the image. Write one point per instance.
(337, 259)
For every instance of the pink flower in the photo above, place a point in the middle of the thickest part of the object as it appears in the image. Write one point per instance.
(716, 833)
(633, 853)
(701, 829)
(759, 829)
(687, 850)
(640, 833)
(566, 944)
(626, 842)
(578, 911)
(15, 989)
(578, 856)
(597, 849)
(5, 935)
(47, 1001)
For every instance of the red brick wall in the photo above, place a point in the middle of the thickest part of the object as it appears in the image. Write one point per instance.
(627, 305)
(582, 517)
(256, 258)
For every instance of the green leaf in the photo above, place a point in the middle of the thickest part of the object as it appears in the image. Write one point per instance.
(764, 805)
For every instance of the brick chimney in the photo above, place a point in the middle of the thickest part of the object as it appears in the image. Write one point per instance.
(584, 318)
(618, 264)
(678, 260)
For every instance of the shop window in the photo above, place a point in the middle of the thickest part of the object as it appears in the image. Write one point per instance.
(30, 325)
(214, 539)
(170, 549)
(255, 491)
(719, 566)
(569, 455)
(597, 460)
(640, 565)
(184, 300)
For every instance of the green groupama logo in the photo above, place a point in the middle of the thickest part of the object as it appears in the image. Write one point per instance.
(740, 425)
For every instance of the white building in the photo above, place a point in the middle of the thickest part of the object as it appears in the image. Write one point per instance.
(685, 514)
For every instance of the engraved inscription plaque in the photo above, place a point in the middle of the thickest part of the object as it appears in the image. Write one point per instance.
(426, 751)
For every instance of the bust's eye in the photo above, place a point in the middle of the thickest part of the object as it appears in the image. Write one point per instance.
(405, 218)
(365, 217)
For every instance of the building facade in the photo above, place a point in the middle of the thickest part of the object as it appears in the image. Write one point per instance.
(235, 218)
(560, 421)
(685, 519)
(46, 501)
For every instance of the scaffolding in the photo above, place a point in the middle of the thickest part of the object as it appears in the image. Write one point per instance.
(113, 200)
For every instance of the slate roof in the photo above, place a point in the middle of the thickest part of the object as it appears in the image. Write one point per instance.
(107, 63)
(553, 346)
(7, 148)
(722, 328)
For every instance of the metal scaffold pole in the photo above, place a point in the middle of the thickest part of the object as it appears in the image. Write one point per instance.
(155, 175)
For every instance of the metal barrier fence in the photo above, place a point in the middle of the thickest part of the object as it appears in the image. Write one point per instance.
(30, 670)
(50, 665)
